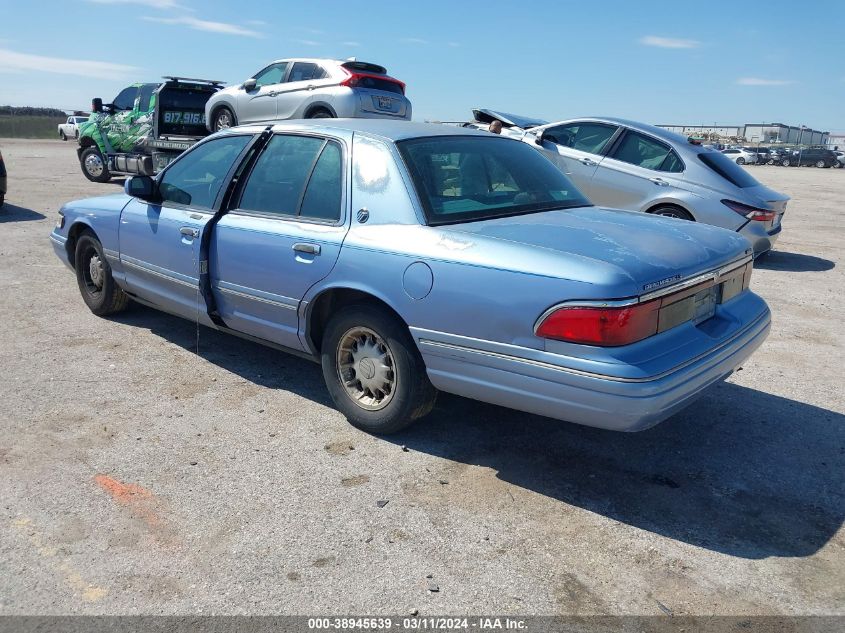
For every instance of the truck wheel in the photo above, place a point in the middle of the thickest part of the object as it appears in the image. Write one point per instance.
(224, 118)
(62, 135)
(94, 165)
(373, 370)
(93, 274)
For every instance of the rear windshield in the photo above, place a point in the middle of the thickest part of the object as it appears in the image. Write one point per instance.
(728, 169)
(465, 178)
(376, 83)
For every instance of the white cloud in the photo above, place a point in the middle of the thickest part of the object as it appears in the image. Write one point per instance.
(206, 25)
(351, 43)
(668, 42)
(14, 62)
(308, 42)
(155, 4)
(757, 81)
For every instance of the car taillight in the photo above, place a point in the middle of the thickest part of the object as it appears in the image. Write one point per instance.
(749, 212)
(606, 326)
(359, 79)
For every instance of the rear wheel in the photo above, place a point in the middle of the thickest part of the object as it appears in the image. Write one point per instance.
(94, 165)
(669, 211)
(821, 164)
(224, 118)
(320, 113)
(373, 370)
(100, 292)
(785, 162)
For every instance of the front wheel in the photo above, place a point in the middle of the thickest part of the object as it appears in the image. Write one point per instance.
(94, 165)
(99, 290)
(837, 165)
(785, 162)
(740, 161)
(62, 135)
(224, 118)
(821, 164)
(373, 370)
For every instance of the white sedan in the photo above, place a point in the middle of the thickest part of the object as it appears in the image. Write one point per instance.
(741, 156)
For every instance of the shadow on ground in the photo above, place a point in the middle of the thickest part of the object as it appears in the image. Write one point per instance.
(741, 471)
(14, 213)
(793, 262)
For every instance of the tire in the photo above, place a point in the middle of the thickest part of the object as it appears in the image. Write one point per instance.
(670, 211)
(785, 162)
(821, 164)
(99, 290)
(375, 409)
(62, 135)
(94, 165)
(224, 118)
(837, 165)
(740, 161)
(320, 113)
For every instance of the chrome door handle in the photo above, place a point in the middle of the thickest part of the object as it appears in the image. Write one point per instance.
(659, 181)
(189, 231)
(588, 162)
(310, 87)
(311, 249)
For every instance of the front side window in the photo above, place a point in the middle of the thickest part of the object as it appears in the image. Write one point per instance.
(305, 71)
(461, 179)
(586, 137)
(642, 151)
(273, 74)
(197, 177)
(296, 176)
(126, 99)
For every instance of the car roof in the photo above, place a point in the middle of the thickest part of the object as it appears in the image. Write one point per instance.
(383, 128)
(653, 130)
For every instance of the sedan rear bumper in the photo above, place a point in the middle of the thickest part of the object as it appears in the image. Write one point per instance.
(603, 401)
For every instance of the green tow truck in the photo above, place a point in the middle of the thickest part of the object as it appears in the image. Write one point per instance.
(146, 127)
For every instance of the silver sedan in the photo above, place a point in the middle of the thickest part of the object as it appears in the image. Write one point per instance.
(628, 165)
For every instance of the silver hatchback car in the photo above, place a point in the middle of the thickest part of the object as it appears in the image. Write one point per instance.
(305, 88)
(628, 165)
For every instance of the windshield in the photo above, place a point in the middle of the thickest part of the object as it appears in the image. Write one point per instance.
(728, 169)
(466, 178)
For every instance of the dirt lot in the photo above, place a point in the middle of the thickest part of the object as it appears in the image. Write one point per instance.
(139, 475)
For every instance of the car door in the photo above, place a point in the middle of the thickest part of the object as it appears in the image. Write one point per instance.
(159, 241)
(637, 170)
(259, 103)
(282, 235)
(302, 80)
(576, 148)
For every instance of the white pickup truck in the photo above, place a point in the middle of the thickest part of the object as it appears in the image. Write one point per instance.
(70, 129)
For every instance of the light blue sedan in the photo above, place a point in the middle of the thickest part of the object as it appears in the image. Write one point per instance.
(410, 258)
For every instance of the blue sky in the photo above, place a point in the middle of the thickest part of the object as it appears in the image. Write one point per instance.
(684, 61)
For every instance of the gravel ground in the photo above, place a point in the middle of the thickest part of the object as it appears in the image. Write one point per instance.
(147, 468)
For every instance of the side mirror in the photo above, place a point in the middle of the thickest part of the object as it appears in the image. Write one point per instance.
(96, 104)
(538, 137)
(249, 84)
(142, 187)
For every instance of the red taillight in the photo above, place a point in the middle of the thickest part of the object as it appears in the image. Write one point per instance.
(359, 79)
(749, 212)
(606, 326)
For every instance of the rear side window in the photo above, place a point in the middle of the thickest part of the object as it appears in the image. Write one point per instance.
(145, 96)
(587, 137)
(727, 169)
(643, 151)
(296, 176)
(305, 71)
